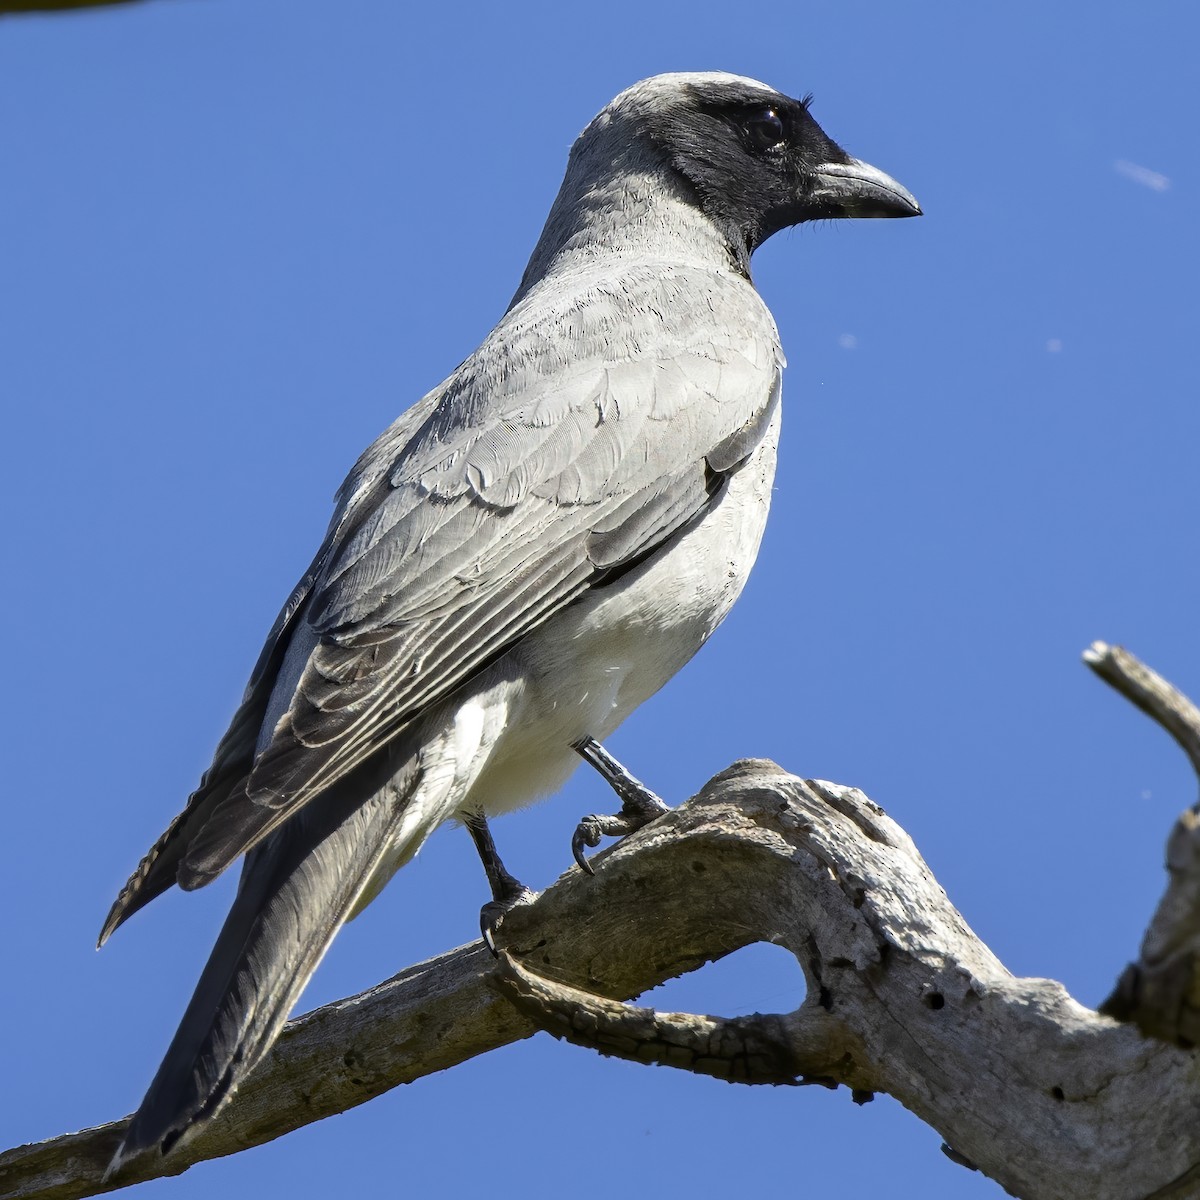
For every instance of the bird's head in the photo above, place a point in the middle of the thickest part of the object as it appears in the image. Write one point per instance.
(756, 160)
(747, 159)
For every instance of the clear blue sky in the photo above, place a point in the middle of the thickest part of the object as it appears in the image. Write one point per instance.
(237, 238)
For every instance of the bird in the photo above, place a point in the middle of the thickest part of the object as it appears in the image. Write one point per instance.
(523, 557)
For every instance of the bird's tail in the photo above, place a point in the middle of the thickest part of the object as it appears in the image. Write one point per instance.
(296, 890)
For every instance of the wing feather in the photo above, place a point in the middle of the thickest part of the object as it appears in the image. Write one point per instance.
(540, 469)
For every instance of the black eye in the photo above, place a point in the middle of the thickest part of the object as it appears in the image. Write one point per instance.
(764, 129)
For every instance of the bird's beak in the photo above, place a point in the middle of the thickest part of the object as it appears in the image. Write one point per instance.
(857, 189)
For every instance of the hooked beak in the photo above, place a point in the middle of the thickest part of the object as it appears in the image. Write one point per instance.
(857, 189)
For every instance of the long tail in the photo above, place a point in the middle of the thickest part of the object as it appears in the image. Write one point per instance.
(297, 889)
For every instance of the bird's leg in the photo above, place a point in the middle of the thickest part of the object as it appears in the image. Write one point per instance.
(507, 890)
(639, 805)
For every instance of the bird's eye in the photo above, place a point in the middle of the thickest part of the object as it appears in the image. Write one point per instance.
(764, 129)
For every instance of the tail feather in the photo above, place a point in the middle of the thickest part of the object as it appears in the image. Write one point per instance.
(159, 867)
(226, 778)
(297, 888)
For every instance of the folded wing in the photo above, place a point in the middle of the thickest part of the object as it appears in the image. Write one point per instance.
(586, 432)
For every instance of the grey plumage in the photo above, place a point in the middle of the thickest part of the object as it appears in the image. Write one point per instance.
(530, 551)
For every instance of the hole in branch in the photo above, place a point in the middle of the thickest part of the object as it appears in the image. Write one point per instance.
(1058, 1093)
(935, 1000)
(756, 978)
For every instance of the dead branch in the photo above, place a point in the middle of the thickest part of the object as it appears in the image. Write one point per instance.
(1042, 1094)
(1160, 993)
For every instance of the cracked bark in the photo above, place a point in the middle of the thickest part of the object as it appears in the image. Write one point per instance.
(1047, 1097)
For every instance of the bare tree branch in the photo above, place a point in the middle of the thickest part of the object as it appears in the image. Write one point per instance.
(1159, 700)
(806, 1046)
(1160, 993)
(1042, 1094)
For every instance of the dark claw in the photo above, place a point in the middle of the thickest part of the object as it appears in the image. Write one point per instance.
(587, 833)
(507, 890)
(492, 914)
(489, 923)
(639, 805)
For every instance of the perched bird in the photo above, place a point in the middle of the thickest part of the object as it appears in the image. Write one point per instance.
(528, 553)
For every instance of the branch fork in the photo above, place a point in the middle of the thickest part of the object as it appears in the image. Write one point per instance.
(1044, 1095)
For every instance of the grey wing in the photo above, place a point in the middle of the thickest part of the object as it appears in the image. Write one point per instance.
(231, 764)
(519, 491)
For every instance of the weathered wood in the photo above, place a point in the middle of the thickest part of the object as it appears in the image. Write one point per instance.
(1160, 993)
(1042, 1094)
(1161, 701)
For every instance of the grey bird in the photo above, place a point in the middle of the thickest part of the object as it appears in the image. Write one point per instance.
(522, 558)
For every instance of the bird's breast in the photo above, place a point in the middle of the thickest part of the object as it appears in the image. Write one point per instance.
(591, 665)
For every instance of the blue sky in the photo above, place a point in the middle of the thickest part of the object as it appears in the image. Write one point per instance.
(238, 238)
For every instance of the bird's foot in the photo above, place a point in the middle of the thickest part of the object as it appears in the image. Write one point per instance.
(639, 805)
(492, 914)
(507, 890)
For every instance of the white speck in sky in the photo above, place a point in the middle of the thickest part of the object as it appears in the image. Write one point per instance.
(1053, 345)
(1155, 181)
(848, 341)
